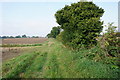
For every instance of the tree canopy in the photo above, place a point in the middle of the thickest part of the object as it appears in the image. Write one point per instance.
(24, 36)
(81, 23)
(54, 32)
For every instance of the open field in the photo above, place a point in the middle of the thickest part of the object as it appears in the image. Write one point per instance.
(23, 40)
(15, 47)
(11, 52)
(53, 60)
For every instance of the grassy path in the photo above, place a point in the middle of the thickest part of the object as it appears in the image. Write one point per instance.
(53, 60)
(35, 70)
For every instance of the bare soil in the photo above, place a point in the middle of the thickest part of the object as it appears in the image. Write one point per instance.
(23, 40)
(11, 52)
(8, 53)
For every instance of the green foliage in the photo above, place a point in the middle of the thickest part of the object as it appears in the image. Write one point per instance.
(59, 37)
(80, 23)
(11, 37)
(18, 36)
(35, 36)
(24, 36)
(110, 41)
(54, 32)
(6, 37)
(111, 28)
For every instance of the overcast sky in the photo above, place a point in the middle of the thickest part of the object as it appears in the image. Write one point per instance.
(37, 18)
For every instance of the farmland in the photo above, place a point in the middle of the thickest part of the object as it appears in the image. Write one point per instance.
(23, 40)
(53, 60)
(14, 47)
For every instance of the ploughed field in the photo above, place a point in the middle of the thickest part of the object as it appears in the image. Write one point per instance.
(23, 40)
(16, 46)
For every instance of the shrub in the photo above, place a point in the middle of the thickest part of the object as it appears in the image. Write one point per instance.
(80, 23)
(59, 37)
(109, 42)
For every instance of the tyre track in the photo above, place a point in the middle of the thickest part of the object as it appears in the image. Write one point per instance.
(35, 70)
(21, 66)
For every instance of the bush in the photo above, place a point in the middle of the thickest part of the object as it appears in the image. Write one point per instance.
(80, 23)
(110, 43)
(59, 37)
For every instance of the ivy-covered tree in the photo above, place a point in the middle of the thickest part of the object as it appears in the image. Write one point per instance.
(54, 32)
(81, 24)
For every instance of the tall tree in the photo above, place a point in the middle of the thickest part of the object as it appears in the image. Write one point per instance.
(54, 32)
(18, 36)
(80, 23)
(24, 36)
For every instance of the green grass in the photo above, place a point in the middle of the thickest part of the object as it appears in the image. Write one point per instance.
(56, 61)
(20, 66)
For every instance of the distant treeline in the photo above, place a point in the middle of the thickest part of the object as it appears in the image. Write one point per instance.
(23, 36)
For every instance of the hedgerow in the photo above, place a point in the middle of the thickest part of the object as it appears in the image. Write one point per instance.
(81, 24)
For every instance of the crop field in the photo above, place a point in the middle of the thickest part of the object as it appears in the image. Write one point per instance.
(14, 47)
(23, 40)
